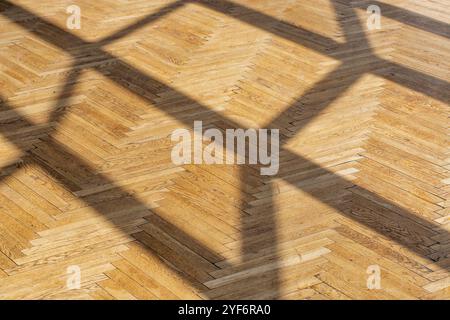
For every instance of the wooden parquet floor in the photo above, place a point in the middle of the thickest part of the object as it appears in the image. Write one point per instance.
(87, 180)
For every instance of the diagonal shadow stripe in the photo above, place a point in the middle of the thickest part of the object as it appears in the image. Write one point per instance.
(272, 25)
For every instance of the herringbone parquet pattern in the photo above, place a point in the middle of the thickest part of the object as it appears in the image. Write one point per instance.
(87, 180)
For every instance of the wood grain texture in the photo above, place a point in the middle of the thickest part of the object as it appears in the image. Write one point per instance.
(86, 177)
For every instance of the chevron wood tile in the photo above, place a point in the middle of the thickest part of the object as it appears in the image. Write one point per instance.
(87, 180)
